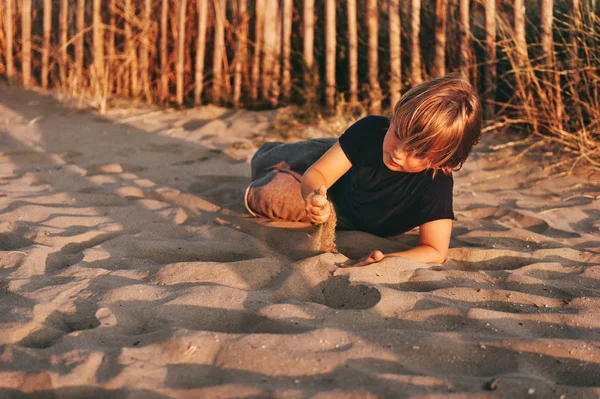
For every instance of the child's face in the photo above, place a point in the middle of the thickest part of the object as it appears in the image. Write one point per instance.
(397, 158)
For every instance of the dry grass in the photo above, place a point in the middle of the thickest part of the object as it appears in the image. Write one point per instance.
(558, 99)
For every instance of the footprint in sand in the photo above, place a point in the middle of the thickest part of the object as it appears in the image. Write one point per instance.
(340, 293)
(14, 236)
(509, 218)
(58, 324)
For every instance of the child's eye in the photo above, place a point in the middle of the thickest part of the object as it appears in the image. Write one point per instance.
(415, 154)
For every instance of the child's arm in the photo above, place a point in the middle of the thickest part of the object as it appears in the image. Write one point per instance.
(434, 240)
(318, 178)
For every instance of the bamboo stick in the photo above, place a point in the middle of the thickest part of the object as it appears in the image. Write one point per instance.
(26, 42)
(330, 53)
(202, 8)
(373, 30)
(180, 51)
(352, 52)
(46, 41)
(395, 51)
(218, 50)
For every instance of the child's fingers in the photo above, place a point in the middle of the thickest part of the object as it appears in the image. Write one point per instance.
(318, 200)
(374, 257)
(319, 218)
(318, 213)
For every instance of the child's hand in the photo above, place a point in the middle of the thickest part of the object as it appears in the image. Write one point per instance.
(374, 257)
(317, 207)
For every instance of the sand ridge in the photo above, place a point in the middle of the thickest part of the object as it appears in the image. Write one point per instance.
(129, 268)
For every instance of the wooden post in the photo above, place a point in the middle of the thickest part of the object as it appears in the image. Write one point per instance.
(269, 46)
(373, 30)
(26, 39)
(415, 60)
(490, 68)
(466, 59)
(275, 90)
(352, 52)
(258, 43)
(63, 23)
(520, 41)
(546, 27)
(286, 79)
(441, 19)
(202, 8)
(218, 50)
(46, 42)
(145, 51)
(576, 23)
(310, 78)
(8, 28)
(131, 62)
(98, 39)
(110, 47)
(180, 51)
(80, 27)
(164, 64)
(395, 52)
(330, 53)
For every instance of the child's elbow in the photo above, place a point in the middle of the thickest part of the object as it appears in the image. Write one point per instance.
(438, 256)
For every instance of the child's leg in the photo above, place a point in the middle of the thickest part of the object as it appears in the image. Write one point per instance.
(277, 170)
(277, 195)
(293, 156)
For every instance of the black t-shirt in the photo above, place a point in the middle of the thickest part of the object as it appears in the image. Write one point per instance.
(378, 200)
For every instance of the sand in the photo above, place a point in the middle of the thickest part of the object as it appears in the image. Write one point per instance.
(130, 269)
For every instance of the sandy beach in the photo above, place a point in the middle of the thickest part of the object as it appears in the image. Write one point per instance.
(129, 268)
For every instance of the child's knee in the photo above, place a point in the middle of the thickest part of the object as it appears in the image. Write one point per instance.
(277, 195)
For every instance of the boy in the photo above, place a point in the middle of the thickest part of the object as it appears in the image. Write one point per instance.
(384, 176)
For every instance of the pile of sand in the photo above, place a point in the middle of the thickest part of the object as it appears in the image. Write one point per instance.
(129, 269)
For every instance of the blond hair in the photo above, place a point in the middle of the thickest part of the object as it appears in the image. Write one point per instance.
(439, 120)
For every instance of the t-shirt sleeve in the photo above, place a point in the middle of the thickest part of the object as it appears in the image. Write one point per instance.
(359, 136)
(437, 201)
